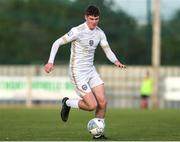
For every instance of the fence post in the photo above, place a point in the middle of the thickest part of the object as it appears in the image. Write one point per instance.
(29, 91)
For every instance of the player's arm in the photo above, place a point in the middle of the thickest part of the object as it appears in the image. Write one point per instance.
(70, 36)
(109, 54)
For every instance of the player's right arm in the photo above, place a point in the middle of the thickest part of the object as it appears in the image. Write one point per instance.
(68, 37)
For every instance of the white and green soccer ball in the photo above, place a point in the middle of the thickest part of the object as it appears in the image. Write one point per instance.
(96, 126)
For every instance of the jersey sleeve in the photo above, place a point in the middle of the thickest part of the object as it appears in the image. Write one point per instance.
(103, 40)
(68, 37)
(106, 48)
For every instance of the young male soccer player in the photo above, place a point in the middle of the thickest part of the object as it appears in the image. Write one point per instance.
(90, 87)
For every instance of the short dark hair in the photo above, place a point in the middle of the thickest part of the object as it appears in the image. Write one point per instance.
(92, 10)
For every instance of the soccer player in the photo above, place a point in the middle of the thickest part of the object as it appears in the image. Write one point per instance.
(146, 90)
(89, 86)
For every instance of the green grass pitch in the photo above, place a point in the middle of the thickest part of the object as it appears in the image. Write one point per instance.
(44, 124)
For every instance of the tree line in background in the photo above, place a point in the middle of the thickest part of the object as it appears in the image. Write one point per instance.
(29, 27)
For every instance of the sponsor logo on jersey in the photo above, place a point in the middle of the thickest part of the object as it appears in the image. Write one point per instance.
(84, 87)
(91, 42)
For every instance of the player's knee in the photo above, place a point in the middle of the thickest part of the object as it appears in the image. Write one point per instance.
(92, 106)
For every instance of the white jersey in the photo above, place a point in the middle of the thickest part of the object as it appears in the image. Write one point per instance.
(84, 42)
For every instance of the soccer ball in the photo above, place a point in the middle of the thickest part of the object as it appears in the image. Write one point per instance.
(96, 126)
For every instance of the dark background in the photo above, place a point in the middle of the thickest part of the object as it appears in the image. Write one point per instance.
(28, 29)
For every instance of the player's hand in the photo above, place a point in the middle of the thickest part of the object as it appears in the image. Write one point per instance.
(119, 64)
(48, 67)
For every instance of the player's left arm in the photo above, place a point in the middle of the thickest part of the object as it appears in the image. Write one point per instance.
(109, 54)
(112, 57)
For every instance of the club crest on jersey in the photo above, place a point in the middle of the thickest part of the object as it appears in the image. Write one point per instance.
(91, 42)
(84, 87)
(70, 33)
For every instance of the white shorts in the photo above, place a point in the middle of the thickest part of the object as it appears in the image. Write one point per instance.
(85, 81)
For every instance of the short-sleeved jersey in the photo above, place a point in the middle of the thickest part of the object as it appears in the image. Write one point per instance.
(84, 42)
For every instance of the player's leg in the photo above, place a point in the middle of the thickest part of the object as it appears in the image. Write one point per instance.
(144, 102)
(88, 101)
(101, 108)
(101, 100)
(97, 87)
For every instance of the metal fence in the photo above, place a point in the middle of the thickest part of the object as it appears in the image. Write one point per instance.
(122, 85)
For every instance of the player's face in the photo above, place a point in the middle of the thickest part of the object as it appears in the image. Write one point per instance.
(92, 21)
